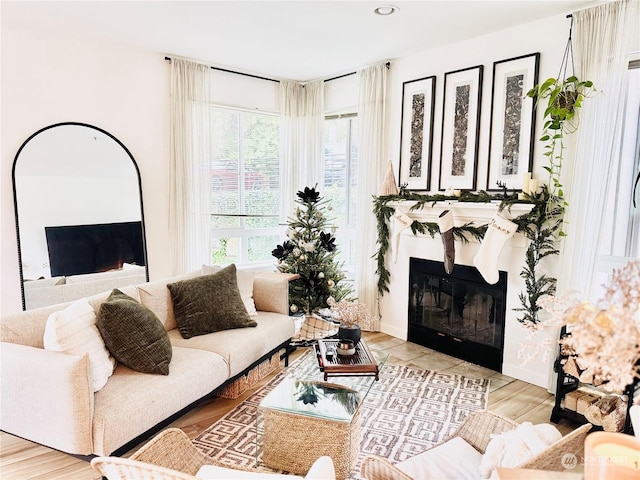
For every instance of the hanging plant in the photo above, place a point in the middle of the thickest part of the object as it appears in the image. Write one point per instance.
(564, 99)
(564, 96)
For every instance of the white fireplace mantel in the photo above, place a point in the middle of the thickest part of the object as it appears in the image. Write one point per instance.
(464, 212)
(394, 305)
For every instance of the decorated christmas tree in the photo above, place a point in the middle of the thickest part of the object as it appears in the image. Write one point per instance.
(310, 251)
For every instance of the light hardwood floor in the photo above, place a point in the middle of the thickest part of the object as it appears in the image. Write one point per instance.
(515, 399)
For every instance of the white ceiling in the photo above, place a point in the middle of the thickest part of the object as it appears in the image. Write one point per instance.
(296, 39)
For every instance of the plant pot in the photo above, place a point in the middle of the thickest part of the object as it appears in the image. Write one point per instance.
(352, 333)
(566, 100)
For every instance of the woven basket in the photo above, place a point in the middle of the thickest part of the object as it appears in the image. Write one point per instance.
(293, 442)
(245, 382)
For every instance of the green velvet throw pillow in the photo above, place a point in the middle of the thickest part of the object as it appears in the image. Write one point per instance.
(209, 303)
(134, 335)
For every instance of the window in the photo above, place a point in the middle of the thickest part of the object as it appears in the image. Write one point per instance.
(622, 227)
(245, 186)
(340, 181)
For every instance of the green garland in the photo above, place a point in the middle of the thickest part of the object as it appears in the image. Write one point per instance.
(541, 226)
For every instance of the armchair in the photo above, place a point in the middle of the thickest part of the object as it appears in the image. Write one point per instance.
(171, 455)
(460, 455)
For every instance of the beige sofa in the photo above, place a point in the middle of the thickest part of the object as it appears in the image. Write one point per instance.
(46, 396)
(55, 290)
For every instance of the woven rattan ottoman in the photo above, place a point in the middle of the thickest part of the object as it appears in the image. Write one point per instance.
(293, 442)
(307, 415)
(304, 420)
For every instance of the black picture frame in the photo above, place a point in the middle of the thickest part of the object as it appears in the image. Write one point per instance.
(460, 137)
(513, 121)
(416, 133)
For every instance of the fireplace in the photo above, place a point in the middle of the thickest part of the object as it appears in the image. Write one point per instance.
(458, 314)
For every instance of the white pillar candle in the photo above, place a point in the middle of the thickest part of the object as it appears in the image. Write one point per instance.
(533, 186)
(525, 182)
(611, 455)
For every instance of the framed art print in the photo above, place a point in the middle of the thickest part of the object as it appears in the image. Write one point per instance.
(512, 129)
(416, 134)
(460, 129)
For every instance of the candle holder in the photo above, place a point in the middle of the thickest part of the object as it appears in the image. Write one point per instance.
(609, 455)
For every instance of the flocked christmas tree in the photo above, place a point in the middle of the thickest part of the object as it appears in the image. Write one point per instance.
(311, 252)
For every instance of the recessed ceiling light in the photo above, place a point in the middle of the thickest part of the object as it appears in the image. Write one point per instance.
(385, 10)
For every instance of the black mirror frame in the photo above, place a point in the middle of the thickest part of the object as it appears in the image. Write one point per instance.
(15, 195)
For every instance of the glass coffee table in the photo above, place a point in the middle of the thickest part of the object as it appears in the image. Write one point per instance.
(305, 416)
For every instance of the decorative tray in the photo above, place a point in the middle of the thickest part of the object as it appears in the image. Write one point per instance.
(361, 363)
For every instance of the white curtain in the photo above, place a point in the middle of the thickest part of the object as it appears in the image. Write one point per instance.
(301, 130)
(602, 44)
(190, 150)
(371, 170)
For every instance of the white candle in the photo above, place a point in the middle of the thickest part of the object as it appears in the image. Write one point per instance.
(533, 186)
(618, 454)
(525, 182)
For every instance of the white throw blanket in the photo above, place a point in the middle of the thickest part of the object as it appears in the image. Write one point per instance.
(512, 448)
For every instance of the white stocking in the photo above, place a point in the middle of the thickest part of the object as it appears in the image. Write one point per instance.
(499, 231)
(402, 221)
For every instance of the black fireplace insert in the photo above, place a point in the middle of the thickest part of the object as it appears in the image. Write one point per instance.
(458, 314)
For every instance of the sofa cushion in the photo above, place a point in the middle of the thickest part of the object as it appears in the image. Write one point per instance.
(73, 331)
(245, 285)
(133, 402)
(134, 335)
(452, 459)
(241, 347)
(210, 303)
(44, 282)
(155, 295)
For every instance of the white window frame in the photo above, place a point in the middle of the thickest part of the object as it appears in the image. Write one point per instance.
(242, 232)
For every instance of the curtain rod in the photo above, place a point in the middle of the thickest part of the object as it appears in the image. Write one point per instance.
(388, 64)
(168, 59)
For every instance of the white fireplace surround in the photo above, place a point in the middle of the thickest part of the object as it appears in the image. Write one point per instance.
(394, 306)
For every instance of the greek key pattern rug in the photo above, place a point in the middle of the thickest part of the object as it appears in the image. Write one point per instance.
(407, 411)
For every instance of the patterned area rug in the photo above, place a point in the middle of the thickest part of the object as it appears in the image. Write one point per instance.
(407, 411)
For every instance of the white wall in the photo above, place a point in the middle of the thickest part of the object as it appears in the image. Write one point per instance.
(484, 50)
(49, 79)
(547, 37)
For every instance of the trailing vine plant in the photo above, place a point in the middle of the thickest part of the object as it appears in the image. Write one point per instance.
(564, 99)
(564, 96)
(541, 226)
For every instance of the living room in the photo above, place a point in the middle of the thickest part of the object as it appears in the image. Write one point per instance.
(51, 75)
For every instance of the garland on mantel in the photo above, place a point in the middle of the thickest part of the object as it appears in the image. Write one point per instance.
(541, 226)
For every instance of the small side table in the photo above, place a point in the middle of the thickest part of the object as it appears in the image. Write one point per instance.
(304, 420)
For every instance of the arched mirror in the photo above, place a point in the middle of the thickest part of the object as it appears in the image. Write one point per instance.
(79, 216)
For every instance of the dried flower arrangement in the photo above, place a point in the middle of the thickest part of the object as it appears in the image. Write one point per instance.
(350, 313)
(603, 336)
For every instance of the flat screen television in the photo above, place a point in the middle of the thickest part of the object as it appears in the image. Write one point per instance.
(78, 249)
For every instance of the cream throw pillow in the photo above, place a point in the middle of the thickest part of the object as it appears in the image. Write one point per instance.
(245, 285)
(73, 331)
(155, 296)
